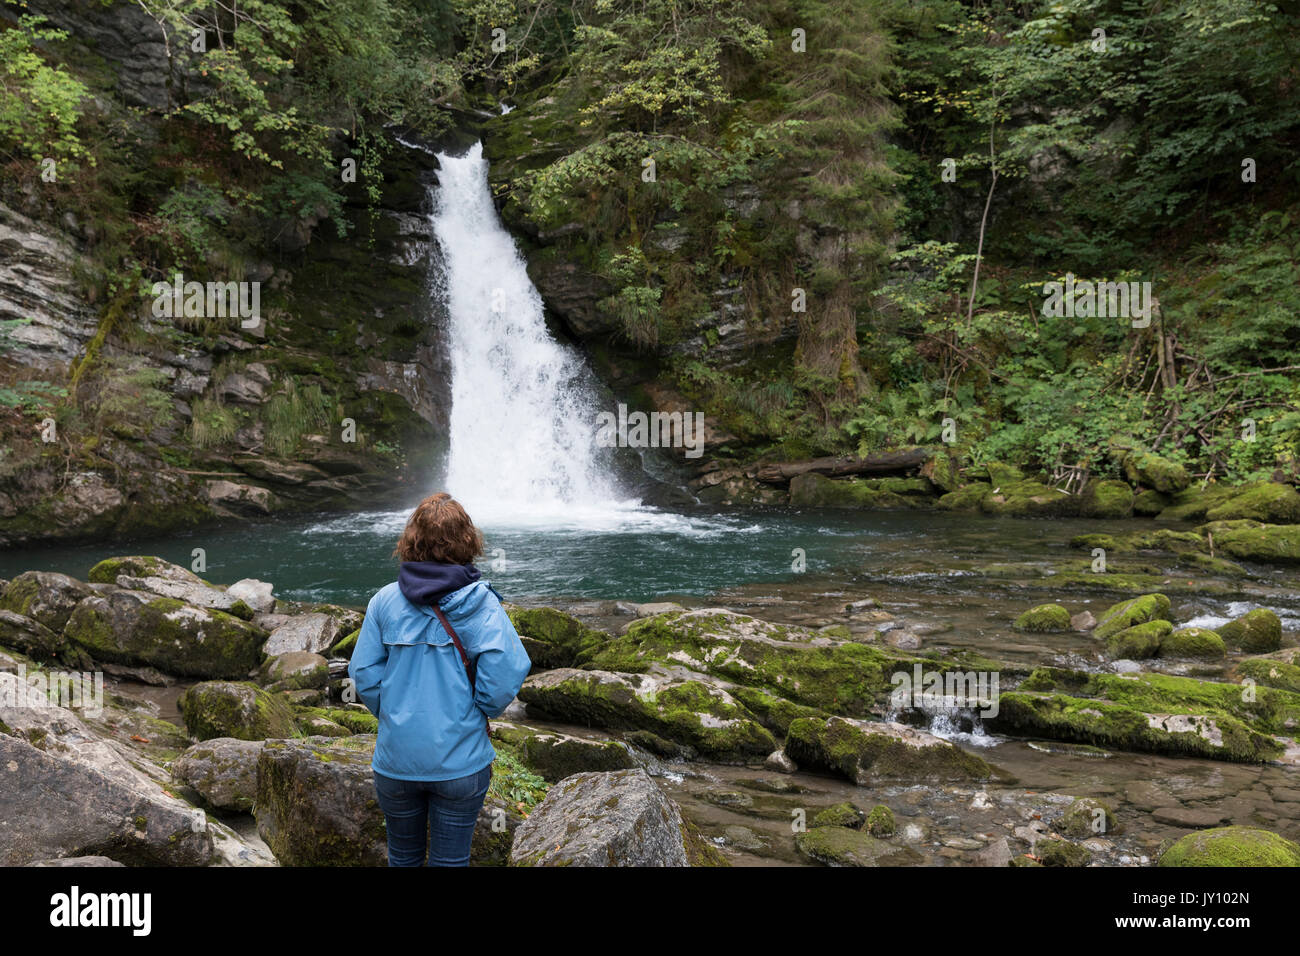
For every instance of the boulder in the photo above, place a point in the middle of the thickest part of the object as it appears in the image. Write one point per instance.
(67, 791)
(1199, 643)
(223, 771)
(1106, 499)
(30, 637)
(45, 597)
(316, 803)
(1232, 846)
(1088, 817)
(1265, 501)
(843, 814)
(1125, 614)
(256, 594)
(1045, 618)
(555, 639)
(312, 633)
(701, 715)
(619, 818)
(1256, 632)
(1271, 544)
(136, 627)
(556, 756)
(867, 752)
(1138, 642)
(841, 846)
(296, 670)
(240, 710)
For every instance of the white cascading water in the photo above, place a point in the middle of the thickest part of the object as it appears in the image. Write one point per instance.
(523, 420)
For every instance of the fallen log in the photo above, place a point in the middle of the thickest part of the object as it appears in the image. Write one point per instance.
(889, 462)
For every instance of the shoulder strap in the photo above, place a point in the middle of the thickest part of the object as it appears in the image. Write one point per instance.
(464, 658)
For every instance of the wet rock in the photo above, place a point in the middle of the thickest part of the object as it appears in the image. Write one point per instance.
(309, 633)
(866, 752)
(1256, 632)
(880, 821)
(79, 861)
(223, 771)
(778, 760)
(45, 597)
(555, 639)
(240, 710)
(1045, 618)
(1088, 817)
(1138, 642)
(316, 803)
(556, 756)
(138, 628)
(1189, 817)
(619, 818)
(1198, 643)
(1083, 621)
(743, 838)
(691, 712)
(1232, 846)
(1056, 852)
(296, 670)
(33, 639)
(840, 815)
(1135, 611)
(997, 853)
(840, 846)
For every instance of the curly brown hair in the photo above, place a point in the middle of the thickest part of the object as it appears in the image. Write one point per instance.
(439, 530)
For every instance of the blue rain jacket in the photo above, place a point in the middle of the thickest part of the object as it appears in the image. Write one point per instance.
(409, 674)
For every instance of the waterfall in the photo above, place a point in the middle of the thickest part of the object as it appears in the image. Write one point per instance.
(523, 412)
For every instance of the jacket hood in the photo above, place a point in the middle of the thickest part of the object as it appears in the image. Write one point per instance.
(427, 582)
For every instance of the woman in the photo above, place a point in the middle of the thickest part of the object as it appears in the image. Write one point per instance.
(433, 696)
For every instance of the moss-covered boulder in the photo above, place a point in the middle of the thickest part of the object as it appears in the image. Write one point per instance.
(1150, 470)
(556, 756)
(555, 639)
(1057, 852)
(843, 814)
(316, 803)
(707, 718)
(45, 596)
(1150, 503)
(346, 645)
(867, 752)
(1088, 817)
(1043, 619)
(1029, 499)
(1265, 501)
(239, 710)
(1256, 632)
(1199, 643)
(355, 718)
(1106, 499)
(965, 498)
(1192, 504)
(1126, 614)
(1232, 846)
(296, 670)
(135, 627)
(1270, 544)
(841, 846)
(817, 491)
(1138, 642)
(880, 821)
(1271, 673)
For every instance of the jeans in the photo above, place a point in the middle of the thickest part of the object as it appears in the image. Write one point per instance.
(431, 819)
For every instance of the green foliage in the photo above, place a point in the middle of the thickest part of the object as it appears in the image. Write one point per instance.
(212, 423)
(40, 104)
(293, 412)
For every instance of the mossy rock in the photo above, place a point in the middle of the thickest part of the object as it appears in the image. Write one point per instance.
(355, 721)
(866, 752)
(1256, 632)
(240, 710)
(556, 756)
(1056, 852)
(1043, 619)
(297, 670)
(1126, 614)
(1106, 499)
(840, 815)
(817, 491)
(346, 645)
(1212, 565)
(1192, 504)
(966, 498)
(1266, 501)
(139, 566)
(1149, 503)
(941, 470)
(1088, 817)
(46, 597)
(999, 474)
(1138, 642)
(1199, 643)
(1270, 544)
(1271, 673)
(33, 639)
(134, 627)
(555, 639)
(1154, 471)
(1232, 846)
(774, 713)
(841, 846)
(1029, 499)
(880, 821)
